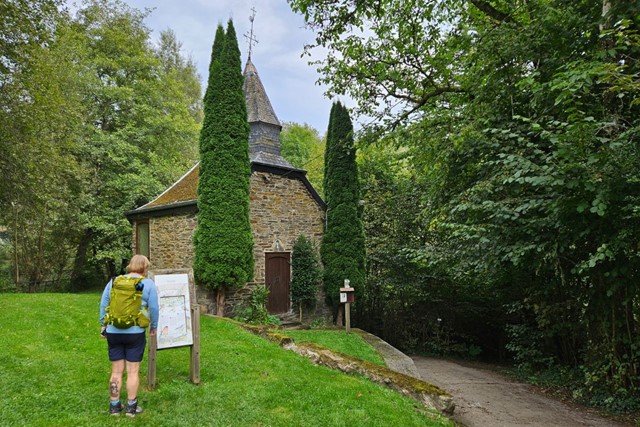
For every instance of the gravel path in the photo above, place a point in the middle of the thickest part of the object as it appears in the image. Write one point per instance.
(485, 398)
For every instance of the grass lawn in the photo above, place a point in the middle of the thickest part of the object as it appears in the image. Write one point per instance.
(55, 372)
(351, 344)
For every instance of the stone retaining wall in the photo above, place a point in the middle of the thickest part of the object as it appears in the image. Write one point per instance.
(429, 395)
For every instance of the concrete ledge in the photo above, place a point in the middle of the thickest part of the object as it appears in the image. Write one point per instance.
(393, 358)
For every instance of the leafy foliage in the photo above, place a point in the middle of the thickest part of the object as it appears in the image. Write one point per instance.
(93, 124)
(520, 122)
(255, 311)
(303, 148)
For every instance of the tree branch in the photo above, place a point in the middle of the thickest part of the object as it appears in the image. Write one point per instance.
(423, 100)
(491, 11)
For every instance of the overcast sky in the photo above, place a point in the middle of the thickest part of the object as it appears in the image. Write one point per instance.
(286, 76)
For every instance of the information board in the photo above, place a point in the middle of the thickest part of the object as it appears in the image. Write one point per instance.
(174, 322)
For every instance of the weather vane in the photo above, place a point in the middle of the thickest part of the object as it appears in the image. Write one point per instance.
(252, 40)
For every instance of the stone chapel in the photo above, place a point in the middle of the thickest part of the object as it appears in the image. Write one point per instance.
(283, 205)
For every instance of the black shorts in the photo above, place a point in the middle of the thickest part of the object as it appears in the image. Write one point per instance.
(126, 346)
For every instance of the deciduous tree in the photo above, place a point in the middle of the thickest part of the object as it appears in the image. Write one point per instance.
(303, 147)
(521, 117)
(92, 125)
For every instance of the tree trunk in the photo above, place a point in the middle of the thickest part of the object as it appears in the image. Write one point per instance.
(111, 268)
(339, 317)
(77, 274)
(610, 101)
(220, 297)
(606, 18)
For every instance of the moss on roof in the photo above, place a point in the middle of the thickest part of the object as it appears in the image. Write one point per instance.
(185, 189)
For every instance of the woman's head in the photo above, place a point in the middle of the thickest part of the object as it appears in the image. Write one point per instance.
(138, 264)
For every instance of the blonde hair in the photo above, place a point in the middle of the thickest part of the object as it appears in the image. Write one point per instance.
(138, 264)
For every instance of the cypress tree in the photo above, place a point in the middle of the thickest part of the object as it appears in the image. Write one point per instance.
(223, 241)
(327, 148)
(342, 250)
(216, 53)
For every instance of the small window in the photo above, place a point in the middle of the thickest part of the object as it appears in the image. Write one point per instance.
(142, 239)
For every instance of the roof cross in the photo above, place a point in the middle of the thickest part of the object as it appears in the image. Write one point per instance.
(251, 39)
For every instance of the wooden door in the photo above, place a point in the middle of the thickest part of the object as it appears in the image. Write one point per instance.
(277, 278)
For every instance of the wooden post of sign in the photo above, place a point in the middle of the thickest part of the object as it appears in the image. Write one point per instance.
(347, 316)
(153, 351)
(347, 297)
(194, 366)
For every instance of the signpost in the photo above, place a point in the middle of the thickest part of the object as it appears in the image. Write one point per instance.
(179, 320)
(347, 297)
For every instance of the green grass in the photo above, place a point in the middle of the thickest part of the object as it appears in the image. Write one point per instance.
(55, 372)
(350, 344)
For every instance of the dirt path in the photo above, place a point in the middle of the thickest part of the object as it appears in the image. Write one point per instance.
(487, 399)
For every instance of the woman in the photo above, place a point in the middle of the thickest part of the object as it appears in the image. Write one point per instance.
(126, 346)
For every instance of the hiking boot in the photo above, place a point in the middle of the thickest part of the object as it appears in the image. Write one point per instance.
(115, 409)
(133, 409)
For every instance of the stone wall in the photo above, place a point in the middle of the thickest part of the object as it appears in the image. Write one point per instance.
(171, 241)
(171, 246)
(281, 209)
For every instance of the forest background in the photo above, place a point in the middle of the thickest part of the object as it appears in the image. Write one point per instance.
(500, 170)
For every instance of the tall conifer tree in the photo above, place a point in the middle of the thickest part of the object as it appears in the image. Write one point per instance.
(214, 65)
(342, 250)
(223, 240)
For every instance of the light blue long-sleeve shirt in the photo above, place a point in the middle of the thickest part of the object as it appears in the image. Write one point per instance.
(149, 301)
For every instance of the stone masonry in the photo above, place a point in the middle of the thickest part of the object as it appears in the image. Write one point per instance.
(281, 209)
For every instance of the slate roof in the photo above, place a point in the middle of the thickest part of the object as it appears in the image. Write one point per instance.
(270, 159)
(259, 107)
(264, 140)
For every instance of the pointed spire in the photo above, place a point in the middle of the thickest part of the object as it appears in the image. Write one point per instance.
(264, 134)
(259, 107)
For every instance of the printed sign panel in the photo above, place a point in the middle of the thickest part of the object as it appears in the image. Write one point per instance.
(174, 323)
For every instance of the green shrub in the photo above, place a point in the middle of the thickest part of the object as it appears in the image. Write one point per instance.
(306, 274)
(318, 324)
(7, 285)
(255, 311)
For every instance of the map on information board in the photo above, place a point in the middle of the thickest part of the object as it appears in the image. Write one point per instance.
(174, 323)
